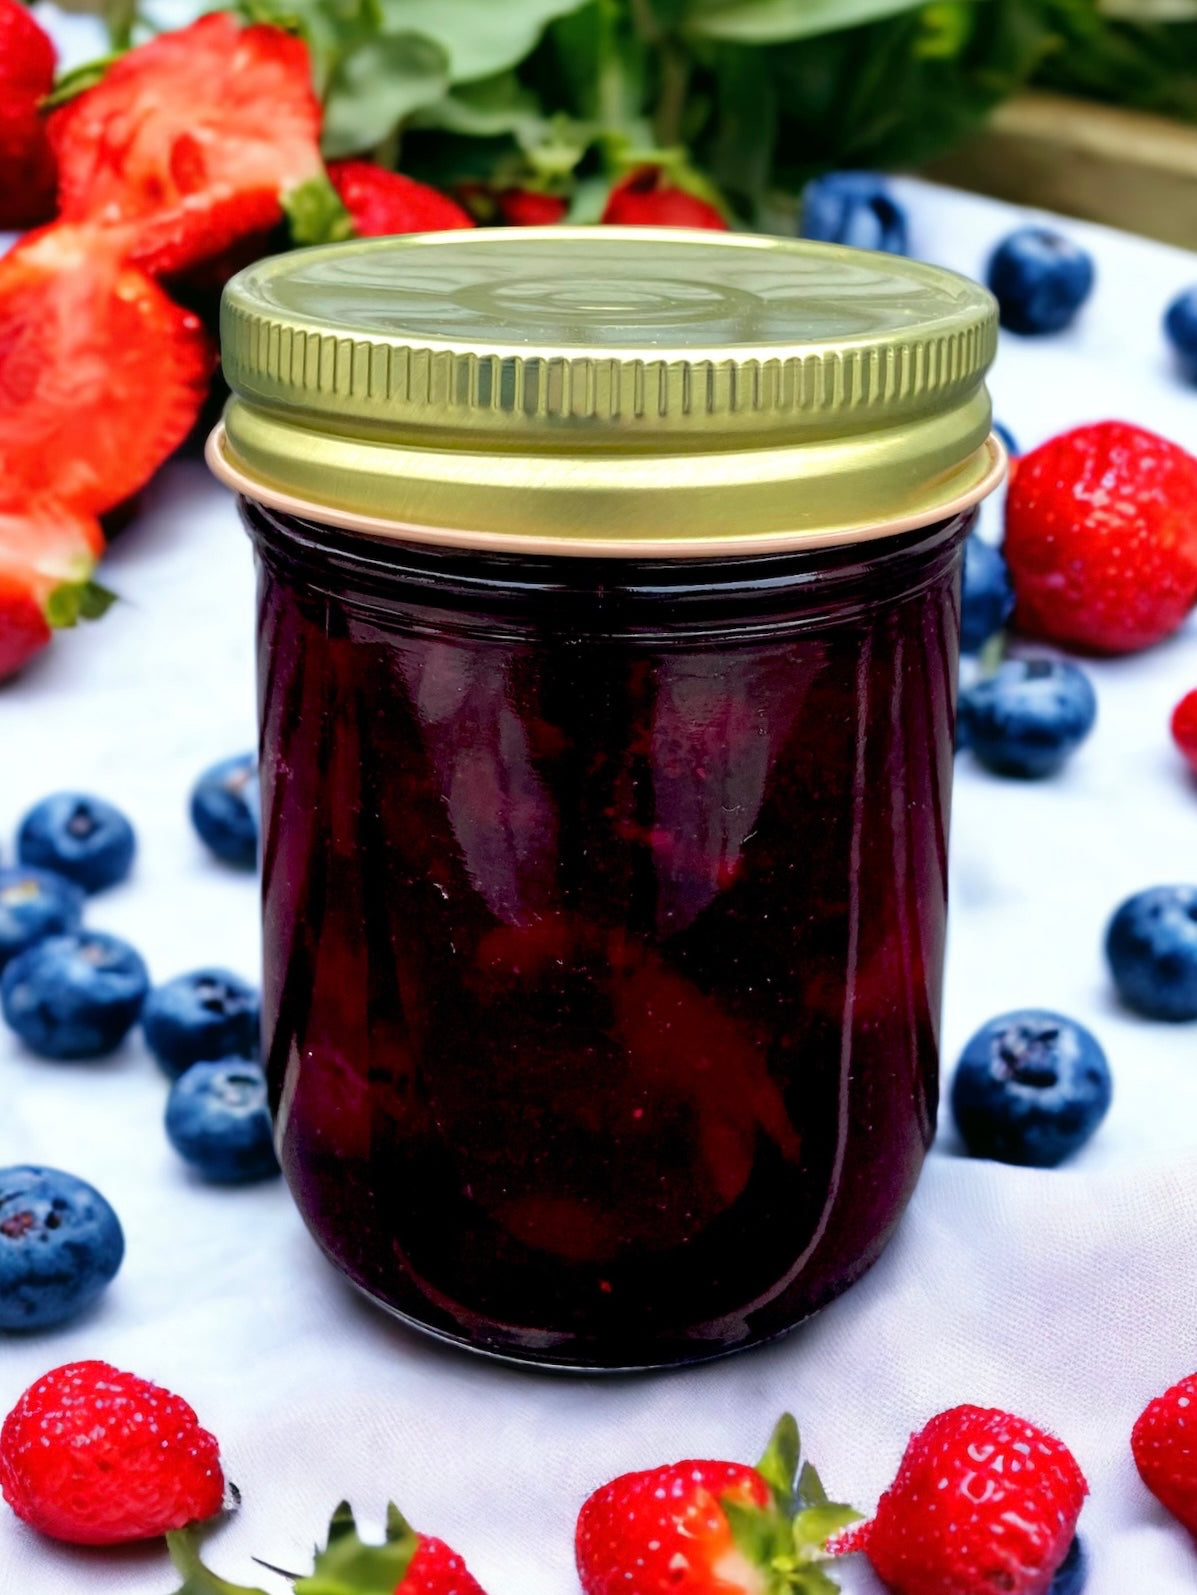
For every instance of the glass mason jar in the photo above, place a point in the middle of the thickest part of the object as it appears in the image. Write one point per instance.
(608, 631)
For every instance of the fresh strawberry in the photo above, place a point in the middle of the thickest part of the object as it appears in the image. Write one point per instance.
(190, 142)
(524, 207)
(95, 1456)
(645, 198)
(407, 1563)
(711, 1528)
(381, 202)
(47, 554)
(1184, 727)
(1101, 538)
(1164, 1446)
(983, 1503)
(27, 172)
(101, 375)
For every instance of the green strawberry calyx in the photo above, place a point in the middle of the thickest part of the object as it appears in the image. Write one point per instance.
(787, 1540)
(72, 601)
(347, 1565)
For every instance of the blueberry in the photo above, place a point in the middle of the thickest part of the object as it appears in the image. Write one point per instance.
(81, 837)
(1040, 280)
(1151, 947)
(74, 996)
(217, 1119)
(1009, 441)
(988, 597)
(207, 1014)
(854, 208)
(34, 904)
(1180, 325)
(224, 809)
(1030, 1088)
(1072, 1571)
(60, 1245)
(1029, 717)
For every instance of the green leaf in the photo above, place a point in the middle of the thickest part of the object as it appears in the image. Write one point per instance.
(315, 214)
(759, 1534)
(376, 85)
(780, 1462)
(197, 1579)
(812, 1581)
(71, 602)
(815, 1524)
(71, 84)
(810, 1491)
(95, 601)
(479, 37)
(769, 21)
(489, 108)
(1149, 10)
(347, 1566)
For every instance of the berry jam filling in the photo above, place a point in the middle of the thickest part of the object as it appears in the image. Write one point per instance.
(604, 915)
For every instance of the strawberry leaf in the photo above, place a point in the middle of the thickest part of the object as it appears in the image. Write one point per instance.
(760, 1535)
(810, 1490)
(71, 602)
(780, 1462)
(77, 81)
(197, 1579)
(348, 1566)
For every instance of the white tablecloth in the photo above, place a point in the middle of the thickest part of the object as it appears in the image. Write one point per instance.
(1067, 1296)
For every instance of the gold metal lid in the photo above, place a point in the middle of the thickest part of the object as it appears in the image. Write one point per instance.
(617, 390)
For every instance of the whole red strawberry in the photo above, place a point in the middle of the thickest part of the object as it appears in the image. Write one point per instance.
(1101, 538)
(27, 172)
(1164, 1446)
(95, 1456)
(1184, 727)
(381, 202)
(710, 1528)
(646, 198)
(983, 1504)
(524, 207)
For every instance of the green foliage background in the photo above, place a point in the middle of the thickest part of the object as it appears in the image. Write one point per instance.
(740, 100)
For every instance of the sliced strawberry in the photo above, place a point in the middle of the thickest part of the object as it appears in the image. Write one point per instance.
(101, 375)
(189, 141)
(27, 175)
(381, 202)
(47, 554)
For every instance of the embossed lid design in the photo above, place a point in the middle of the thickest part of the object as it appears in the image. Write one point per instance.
(624, 390)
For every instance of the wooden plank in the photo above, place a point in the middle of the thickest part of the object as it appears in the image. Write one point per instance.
(1125, 168)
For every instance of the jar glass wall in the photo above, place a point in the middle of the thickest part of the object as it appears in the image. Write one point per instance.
(604, 922)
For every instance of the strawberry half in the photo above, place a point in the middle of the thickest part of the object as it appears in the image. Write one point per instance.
(27, 175)
(983, 1502)
(712, 1528)
(101, 375)
(190, 142)
(47, 554)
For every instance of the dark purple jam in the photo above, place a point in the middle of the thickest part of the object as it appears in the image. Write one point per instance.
(604, 924)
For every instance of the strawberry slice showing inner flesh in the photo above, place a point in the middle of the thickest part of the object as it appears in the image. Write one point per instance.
(188, 142)
(101, 375)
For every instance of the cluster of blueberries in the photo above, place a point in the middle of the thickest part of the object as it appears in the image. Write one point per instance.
(1039, 278)
(73, 993)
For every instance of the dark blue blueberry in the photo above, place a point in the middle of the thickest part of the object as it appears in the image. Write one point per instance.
(1072, 1571)
(988, 597)
(1009, 441)
(208, 1014)
(1151, 947)
(74, 996)
(81, 837)
(854, 208)
(60, 1244)
(217, 1119)
(34, 904)
(1180, 324)
(1040, 280)
(1030, 1088)
(1029, 717)
(224, 809)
